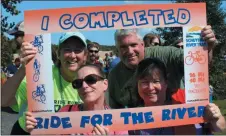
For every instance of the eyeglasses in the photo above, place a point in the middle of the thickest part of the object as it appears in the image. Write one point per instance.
(70, 50)
(90, 79)
(93, 51)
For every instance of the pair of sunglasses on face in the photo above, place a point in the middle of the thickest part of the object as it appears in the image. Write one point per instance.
(90, 79)
(155, 44)
(70, 50)
(93, 51)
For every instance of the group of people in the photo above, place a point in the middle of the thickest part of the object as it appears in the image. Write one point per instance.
(144, 77)
(107, 63)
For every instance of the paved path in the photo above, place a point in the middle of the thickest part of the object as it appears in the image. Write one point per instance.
(8, 118)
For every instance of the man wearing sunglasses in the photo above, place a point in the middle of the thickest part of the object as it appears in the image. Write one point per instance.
(122, 82)
(93, 55)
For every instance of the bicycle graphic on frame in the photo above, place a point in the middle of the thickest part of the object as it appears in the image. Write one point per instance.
(195, 57)
(36, 67)
(38, 43)
(39, 92)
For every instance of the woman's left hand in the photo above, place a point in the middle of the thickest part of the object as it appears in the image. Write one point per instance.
(100, 130)
(212, 111)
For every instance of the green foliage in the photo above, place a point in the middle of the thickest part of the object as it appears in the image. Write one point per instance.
(216, 18)
(7, 46)
(10, 7)
(6, 52)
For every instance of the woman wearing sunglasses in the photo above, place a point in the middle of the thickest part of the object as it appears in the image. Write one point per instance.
(91, 85)
(152, 88)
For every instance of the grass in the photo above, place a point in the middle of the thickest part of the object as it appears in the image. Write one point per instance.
(222, 105)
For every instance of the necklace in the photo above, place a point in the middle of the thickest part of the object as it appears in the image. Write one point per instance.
(61, 88)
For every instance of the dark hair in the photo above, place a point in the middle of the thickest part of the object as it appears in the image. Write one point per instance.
(93, 44)
(17, 60)
(148, 38)
(146, 66)
(95, 66)
(58, 63)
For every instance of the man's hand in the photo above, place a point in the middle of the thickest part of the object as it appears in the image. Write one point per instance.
(209, 36)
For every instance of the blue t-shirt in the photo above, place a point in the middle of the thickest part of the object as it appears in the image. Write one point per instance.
(12, 69)
(114, 62)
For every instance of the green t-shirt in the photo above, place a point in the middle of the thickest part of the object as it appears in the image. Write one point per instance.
(122, 84)
(70, 95)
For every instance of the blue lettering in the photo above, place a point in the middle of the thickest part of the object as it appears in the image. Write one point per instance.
(39, 123)
(165, 114)
(125, 20)
(183, 16)
(126, 117)
(201, 111)
(81, 20)
(45, 23)
(46, 123)
(174, 114)
(66, 122)
(96, 119)
(168, 17)
(148, 117)
(191, 112)
(181, 113)
(65, 22)
(137, 118)
(112, 17)
(155, 15)
(56, 120)
(107, 119)
(97, 19)
(84, 120)
(141, 16)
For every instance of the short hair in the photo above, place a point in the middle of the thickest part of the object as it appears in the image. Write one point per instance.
(148, 38)
(93, 44)
(146, 66)
(97, 67)
(125, 32)
(17, 60)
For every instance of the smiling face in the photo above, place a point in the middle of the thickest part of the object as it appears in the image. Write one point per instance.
(131, 50)
(93, 53)
(91, 92)
(72, 55)
(152, 88)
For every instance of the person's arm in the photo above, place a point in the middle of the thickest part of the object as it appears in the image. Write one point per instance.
(209, 37)
(215, 118)
(10, 87)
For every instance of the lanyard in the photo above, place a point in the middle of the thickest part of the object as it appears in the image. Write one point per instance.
(61, 88)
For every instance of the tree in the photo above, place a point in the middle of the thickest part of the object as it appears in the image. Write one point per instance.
(9, 6)
(216, 18)
(6, 44)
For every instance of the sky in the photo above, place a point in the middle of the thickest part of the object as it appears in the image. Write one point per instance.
(105, 37)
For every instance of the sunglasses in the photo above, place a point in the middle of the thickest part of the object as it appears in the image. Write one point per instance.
(93, 51)
(90, 79)
(70, 50)
(155, 44)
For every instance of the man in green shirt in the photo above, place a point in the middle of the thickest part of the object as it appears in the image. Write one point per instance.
(122, 83)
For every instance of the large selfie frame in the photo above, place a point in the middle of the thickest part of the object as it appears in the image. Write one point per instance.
(40, 23)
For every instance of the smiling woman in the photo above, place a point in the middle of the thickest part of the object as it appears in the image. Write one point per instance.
(91, 85)
(71, 56)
